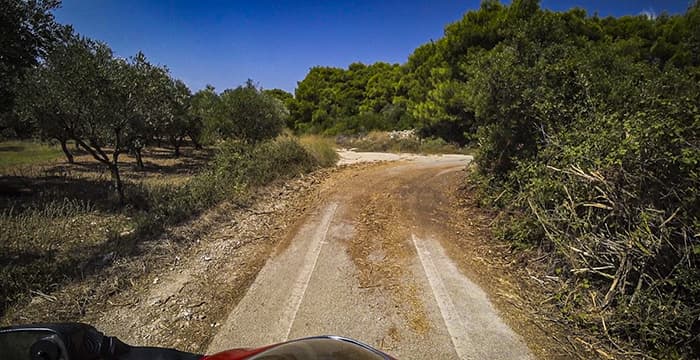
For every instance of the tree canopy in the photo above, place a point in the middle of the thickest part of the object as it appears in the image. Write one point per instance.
(27, 31)
(249, 114)
(428, 91)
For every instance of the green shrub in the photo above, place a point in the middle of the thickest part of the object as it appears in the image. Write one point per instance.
(237, 167)
(439, 146)
(283, 158)
(248, 114)
(611, 189)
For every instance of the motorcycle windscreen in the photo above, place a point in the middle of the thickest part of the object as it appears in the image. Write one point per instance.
(327, 348)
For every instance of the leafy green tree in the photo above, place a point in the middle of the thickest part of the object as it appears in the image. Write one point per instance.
(380, 88)
(158, 107)
(27, 31)
(360, 98)
(202, 110)
(280, 95)
(81, 92)
(112, 117)
(38, 108)
(316, 98)
(287, 99)
(63, 96)
(147, 108)
(246, 113)
(180, 124)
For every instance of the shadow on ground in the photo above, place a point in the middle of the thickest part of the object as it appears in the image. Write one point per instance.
(89, 181)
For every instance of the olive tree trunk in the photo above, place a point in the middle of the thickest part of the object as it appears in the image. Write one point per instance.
(69, 155)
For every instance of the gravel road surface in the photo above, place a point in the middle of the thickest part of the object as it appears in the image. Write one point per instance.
(367, 263)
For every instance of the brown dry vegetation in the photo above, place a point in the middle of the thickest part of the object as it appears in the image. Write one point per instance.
(519, 283)
(61, 221)
(177, 289)
(399, 142)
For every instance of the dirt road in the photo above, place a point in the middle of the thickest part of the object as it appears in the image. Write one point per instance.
(367, 262)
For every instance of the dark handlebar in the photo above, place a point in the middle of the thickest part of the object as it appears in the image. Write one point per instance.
(74, 341)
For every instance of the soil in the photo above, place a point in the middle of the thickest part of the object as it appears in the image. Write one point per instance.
(342, 251)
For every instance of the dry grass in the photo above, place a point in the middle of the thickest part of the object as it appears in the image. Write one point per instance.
(135, 299)
(61, 221)
(323, 149)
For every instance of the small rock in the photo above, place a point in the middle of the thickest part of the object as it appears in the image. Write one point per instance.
(207, 258)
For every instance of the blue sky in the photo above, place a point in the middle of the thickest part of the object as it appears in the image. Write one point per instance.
(223, 43)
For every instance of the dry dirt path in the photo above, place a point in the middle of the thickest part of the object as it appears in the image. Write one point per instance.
(367, 262)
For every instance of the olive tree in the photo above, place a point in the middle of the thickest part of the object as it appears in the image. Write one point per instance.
(202, 111)
(81, 92)
(39, 108)
(27, 30)
(180, 124)
(150, 108)
(246, 113)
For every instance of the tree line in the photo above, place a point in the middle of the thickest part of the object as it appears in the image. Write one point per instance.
(59, 85)
(588, 137)
(427, 92)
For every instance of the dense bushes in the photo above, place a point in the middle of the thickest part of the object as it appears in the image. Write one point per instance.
(322, 149)
(593, 154)
(361, 98)
(246, 113)
(615, 197)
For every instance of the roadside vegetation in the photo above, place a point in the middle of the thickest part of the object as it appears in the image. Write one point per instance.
(406, 141)
(142, 152)
(588, 138)
(321, 148)
(63, 222)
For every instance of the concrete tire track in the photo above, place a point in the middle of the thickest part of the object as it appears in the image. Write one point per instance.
(311, 287)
